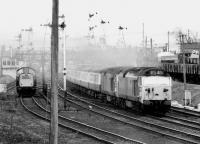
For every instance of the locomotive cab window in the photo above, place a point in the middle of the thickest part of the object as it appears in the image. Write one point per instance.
(152, 72)
(160, 72)
(155, 72)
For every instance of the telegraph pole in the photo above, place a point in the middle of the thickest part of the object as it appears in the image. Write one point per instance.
(54, 74)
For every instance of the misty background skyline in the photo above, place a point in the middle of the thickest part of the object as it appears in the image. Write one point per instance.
(158, 16)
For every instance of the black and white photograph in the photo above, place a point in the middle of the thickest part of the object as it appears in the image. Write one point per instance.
(99, 72)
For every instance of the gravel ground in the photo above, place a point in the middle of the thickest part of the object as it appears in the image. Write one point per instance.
(17, 126)
(116, 127)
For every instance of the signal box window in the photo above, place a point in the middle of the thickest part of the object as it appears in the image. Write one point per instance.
(13, 62)
(8, 62)
(4, 62)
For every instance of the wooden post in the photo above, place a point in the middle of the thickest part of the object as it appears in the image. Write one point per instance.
(54, 74)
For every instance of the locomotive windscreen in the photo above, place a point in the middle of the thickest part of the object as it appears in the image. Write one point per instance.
(156, 72)
(26, 70)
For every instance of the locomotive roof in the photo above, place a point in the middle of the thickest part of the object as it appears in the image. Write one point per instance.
(113, 70)
(31, 70)
(124, 70)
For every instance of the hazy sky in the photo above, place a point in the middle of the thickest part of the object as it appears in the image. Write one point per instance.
(158, 16)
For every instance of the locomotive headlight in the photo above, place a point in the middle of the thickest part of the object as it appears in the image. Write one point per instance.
(165, 90)
(147, 90)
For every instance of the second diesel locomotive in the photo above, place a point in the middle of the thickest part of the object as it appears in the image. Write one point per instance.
(146, 87)
(26, 81)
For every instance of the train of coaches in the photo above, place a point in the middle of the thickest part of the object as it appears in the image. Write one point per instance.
(141, 87)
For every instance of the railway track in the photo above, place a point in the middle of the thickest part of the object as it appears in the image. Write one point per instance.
(96, 133)
(171, 133)
(180, 121)
(193, 125)
(185, 111)
(11, 85)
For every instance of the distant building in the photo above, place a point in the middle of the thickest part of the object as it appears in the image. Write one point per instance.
(10, 65)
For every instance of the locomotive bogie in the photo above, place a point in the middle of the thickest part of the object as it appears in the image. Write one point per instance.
(157, 105)
(129, 104)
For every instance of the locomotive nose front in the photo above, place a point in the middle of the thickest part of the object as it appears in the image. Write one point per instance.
(156, 90)
(157, 93)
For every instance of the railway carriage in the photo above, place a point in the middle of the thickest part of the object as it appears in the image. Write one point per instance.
(94, 81)
(26, 81)
(146, 87)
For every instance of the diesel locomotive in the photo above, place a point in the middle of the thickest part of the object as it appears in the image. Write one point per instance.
(26, 81)
(142, 87)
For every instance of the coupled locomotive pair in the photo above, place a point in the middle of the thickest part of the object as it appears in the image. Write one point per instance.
(143, 87)
(26, 81)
